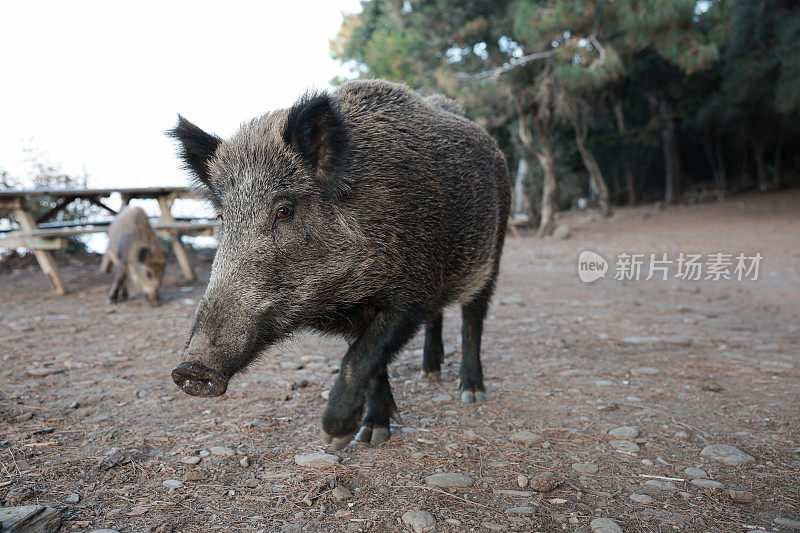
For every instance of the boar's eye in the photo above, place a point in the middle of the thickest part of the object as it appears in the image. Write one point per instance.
(284, 212)
(219, 217)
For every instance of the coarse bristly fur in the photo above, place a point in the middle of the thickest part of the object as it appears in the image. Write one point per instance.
(136, 254)
(363, 212)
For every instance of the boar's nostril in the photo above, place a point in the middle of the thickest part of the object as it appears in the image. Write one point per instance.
(199, 380)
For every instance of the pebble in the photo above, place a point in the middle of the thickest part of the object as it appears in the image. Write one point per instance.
(316, 460)
(647, 462)
(194, 476)
(221, 450)
(625, 446)
(525, 509)
(493, 526)
(624, 432)
(204, 453)
(341, 493)
(695, 473)
(727, 454)
(740, 496)
(291, 365)
(642, 498)
(708, 484)
(787, 523)
(660, 485)
(585, 468)
(453, 521)
(645, 371)
(440, 398)
(244, 461)
(448, 479)
(526, 437)
(190, 460)
(419, 521)
(546, 482)
(604, 525)
(172, 483)
(682, 435)
(522, 481)
(73, 498)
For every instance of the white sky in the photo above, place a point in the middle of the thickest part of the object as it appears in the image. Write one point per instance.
(96, 84)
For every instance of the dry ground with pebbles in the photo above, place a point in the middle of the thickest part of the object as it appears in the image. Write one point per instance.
(91, 424)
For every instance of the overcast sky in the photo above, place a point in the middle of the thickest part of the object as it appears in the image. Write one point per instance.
(95, 84)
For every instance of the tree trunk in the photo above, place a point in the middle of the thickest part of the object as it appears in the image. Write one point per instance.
(672, 160)
(776, 173)
(627, 164)
(519, 189)
(548, 161)
(758, 158)
(723, 178)
(595, 174)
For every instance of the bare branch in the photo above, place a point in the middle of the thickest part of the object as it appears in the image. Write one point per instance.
(600, 49)
(496, 72)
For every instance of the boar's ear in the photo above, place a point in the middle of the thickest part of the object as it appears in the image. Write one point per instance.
(315, 130)
(144, 254)
(197, 148)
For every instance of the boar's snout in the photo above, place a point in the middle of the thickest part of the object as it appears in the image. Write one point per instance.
(199, 380)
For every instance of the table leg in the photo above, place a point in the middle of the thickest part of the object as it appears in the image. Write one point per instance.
(46, 261)
(165, 202)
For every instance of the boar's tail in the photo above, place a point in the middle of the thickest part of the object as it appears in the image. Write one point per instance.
(440, 101)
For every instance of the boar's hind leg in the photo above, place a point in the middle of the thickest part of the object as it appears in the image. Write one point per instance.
(380, 408)
(365, 358)
(472, 315)
(118, 291)
(433, 353)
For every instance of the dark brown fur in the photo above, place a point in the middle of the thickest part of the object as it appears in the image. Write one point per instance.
(399, 210)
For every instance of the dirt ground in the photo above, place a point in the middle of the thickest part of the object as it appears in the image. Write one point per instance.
(88, 411)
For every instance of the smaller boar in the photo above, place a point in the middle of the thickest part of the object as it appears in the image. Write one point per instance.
(136, 254)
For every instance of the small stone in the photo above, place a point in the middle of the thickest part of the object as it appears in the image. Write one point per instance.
(40, 372)
(244, 461)
(317, 460)
(453, 521)
(522, 481)
(708, 484)
(341, 493)
(624, 446)
(660, 485)
(204, 453)
(523, 510)
(73, 498)
(194, 476)
(222, 450)
(786, 522)
(727, 454)
(419, 521)
(624, 432)
(740, 496)
(526, 437)
(291, 528)
(641, 498)
(645, 371)
(604, 525)
(514, 493)
(441, 398)
(22, 465)
(448, 479)
(172, 483)
(695, 473)
(190, 460)
(681, 435)
(291, 365)
(493, 526)
(585, 468)
(647, 462)
(546, 481)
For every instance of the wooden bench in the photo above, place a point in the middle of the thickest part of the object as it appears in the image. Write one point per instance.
(41, 236)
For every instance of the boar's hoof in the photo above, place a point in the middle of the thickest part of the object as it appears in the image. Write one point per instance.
(198, 380)
(473, 396)
(337, 443)
(373, 435)
(434, 376)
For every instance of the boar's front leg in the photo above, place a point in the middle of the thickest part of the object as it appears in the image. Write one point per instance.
(365, 358)
(380, 408)
(433, 353)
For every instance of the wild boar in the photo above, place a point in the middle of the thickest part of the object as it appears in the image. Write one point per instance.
(363, 212)
(137, 256)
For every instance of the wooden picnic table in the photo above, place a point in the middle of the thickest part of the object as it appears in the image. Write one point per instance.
(42, 236)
